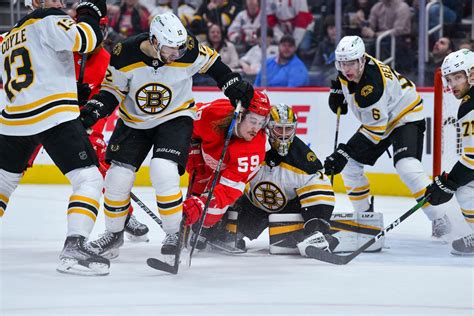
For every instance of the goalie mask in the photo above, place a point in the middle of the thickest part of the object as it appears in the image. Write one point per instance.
(170, 35)
(282, 128)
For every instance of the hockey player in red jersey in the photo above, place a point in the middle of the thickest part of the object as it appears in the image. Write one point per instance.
(245, 153)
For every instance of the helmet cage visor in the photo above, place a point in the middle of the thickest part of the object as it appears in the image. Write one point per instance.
(281, 136)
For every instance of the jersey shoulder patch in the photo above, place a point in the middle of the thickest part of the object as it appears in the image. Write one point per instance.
(467, 104)
(371, 87)
(302, 157)
(128, 52)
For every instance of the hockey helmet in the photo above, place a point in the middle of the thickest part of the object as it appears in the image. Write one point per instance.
(350, 48)
(260, 103)
(282, 128)
(104, 26)
(168, 30)
(460, 60)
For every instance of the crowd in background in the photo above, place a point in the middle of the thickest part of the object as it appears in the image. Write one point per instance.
(301, 34)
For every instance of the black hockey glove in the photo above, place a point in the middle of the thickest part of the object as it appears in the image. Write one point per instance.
(441, 190)
(91, 112)
(237, 89)
(94, 8)
(83, 93)
(336, 97)
(336, 161)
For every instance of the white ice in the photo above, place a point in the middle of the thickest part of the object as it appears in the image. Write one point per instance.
(414, 275)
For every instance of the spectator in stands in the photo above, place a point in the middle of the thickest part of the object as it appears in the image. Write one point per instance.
(220, 12)
(132, 19)
(289, 17)
(251, 62)
(386, 15)
(441, 48)
(227, 51)
(465, 43)
(323, 63)
(185, 11)
(356, 16)
(286, 69)
(452, 12)
(243, 30)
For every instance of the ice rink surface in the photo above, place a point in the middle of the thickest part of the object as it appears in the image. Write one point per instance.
(414, 275)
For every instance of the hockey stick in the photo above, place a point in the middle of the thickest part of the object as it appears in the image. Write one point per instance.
(216, 175)
(338, 120)
(156, 263)
(82, 70)
(329, 257)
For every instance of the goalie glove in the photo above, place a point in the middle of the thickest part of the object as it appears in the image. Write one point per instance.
(336, 161)
(336, 97)
(94, 8)
(236, 89)
(441, 190)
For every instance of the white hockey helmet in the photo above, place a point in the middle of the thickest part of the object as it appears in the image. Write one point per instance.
(460, 60)
(168, 31)
(350, 48)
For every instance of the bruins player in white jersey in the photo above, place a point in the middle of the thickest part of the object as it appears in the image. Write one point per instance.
(42, 108)
(456, 69)
(291, 181)
(390, 111)
(150, 76)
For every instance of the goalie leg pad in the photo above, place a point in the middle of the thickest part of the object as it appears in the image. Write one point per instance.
(118, 185)
(286, 231)
(164, 177)
(8, 183)
(87, 184)
(412, 173)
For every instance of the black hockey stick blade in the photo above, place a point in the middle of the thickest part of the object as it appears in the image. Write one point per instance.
(329, 257)
(162, 266)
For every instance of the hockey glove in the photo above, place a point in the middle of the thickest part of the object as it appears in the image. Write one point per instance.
(237, 89)
(192, 209)
(83, 93)
(441, 190)
(95, 8)
(100, 147)
(91, 112)
(336, 97)
(336, 161)
(195, 160)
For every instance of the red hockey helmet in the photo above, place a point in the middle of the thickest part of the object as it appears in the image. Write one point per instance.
(260, 103)
(104, 26)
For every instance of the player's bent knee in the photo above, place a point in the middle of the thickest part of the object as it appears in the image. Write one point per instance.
(119, 181)
(8, 182)
(164, 175)
(87, 180)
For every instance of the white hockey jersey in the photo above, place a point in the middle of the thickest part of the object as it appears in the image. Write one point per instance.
(466, 122)
(382, 100)
(282, 179)
(150, 92)
(39, 77)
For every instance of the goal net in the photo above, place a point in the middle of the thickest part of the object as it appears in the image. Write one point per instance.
(447, 131)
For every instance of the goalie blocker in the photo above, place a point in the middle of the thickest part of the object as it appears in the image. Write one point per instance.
(352, 229)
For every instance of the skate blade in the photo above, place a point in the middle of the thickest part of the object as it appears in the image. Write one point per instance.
(71, 266)
(461, 254)
(133, 238)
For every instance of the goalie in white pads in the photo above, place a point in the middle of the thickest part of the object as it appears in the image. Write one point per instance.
(150, 76)
(42, 108)
(289, 185)
(390, 111)
(456, 69)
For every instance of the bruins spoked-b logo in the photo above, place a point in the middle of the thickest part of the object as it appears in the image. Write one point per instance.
(269, 196)
(153, 98)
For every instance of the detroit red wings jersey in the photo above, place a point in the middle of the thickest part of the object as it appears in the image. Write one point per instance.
(38, 71)
(94, 73)
(150, 92)
(241, 161)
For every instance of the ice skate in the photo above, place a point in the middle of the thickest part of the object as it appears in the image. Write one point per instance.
(108, 244)
(77, 257)
(170, 244)
(463, 246)
(136, 231)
